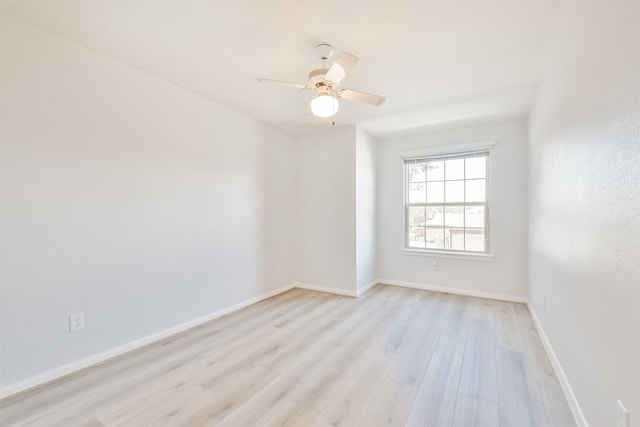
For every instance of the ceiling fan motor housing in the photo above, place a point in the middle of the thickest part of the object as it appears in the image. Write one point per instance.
(316, 78)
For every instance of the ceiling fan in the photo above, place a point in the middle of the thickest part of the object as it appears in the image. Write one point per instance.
(324, 81)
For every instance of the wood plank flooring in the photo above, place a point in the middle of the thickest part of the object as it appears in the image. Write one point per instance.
(393, 357)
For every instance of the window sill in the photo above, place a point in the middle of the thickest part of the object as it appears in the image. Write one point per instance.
(447, 254)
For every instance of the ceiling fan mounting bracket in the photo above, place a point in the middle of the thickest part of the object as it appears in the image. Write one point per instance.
(324, 50)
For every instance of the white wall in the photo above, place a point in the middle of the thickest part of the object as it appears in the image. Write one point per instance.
(127, 198)
(325, 254)
(506, 274)
(366, 271)
(279, 199)
(584, 198)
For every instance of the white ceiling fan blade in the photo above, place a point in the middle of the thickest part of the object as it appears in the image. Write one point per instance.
(357, 96)
(281, 83)
(341, 67)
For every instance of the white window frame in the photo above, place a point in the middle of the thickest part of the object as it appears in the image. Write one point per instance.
(448, 151)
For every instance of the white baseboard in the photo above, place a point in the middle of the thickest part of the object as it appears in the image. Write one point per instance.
(365, 288)
(581, 421)
(311, 287)
(68, 369)
(480, 294)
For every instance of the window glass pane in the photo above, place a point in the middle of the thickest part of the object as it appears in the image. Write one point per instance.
(455, 191)
(475, 190)
(416, 215)
(416, 171)
(454, 216)
(435, 192)
(454, 227)
(435, 238)
(475, 167)
(454, 169)
(435, 171)
(474, 231)
(416, 237)
(435, 216)
(455, 238)
(474, 217)
(416, 193)
(474, 240)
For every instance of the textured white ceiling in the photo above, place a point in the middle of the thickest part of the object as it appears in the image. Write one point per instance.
(434, 61)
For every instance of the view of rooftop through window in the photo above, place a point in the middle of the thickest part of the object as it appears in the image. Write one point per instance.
(446, 203)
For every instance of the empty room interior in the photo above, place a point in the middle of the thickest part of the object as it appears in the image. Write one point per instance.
(309, 213)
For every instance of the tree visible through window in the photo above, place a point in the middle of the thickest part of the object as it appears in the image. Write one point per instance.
(446, 202)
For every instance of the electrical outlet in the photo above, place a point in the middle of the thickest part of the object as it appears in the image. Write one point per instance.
(76, 322)
(435, 264)
(623, 416)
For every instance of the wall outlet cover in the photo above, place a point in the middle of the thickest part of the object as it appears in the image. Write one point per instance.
(76, 322)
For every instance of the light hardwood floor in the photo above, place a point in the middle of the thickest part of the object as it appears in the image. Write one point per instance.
(393, 357)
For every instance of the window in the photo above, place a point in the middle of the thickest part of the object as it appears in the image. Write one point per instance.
(446, 207)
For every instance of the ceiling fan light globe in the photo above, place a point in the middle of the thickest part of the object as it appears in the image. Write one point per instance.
(324, 105)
